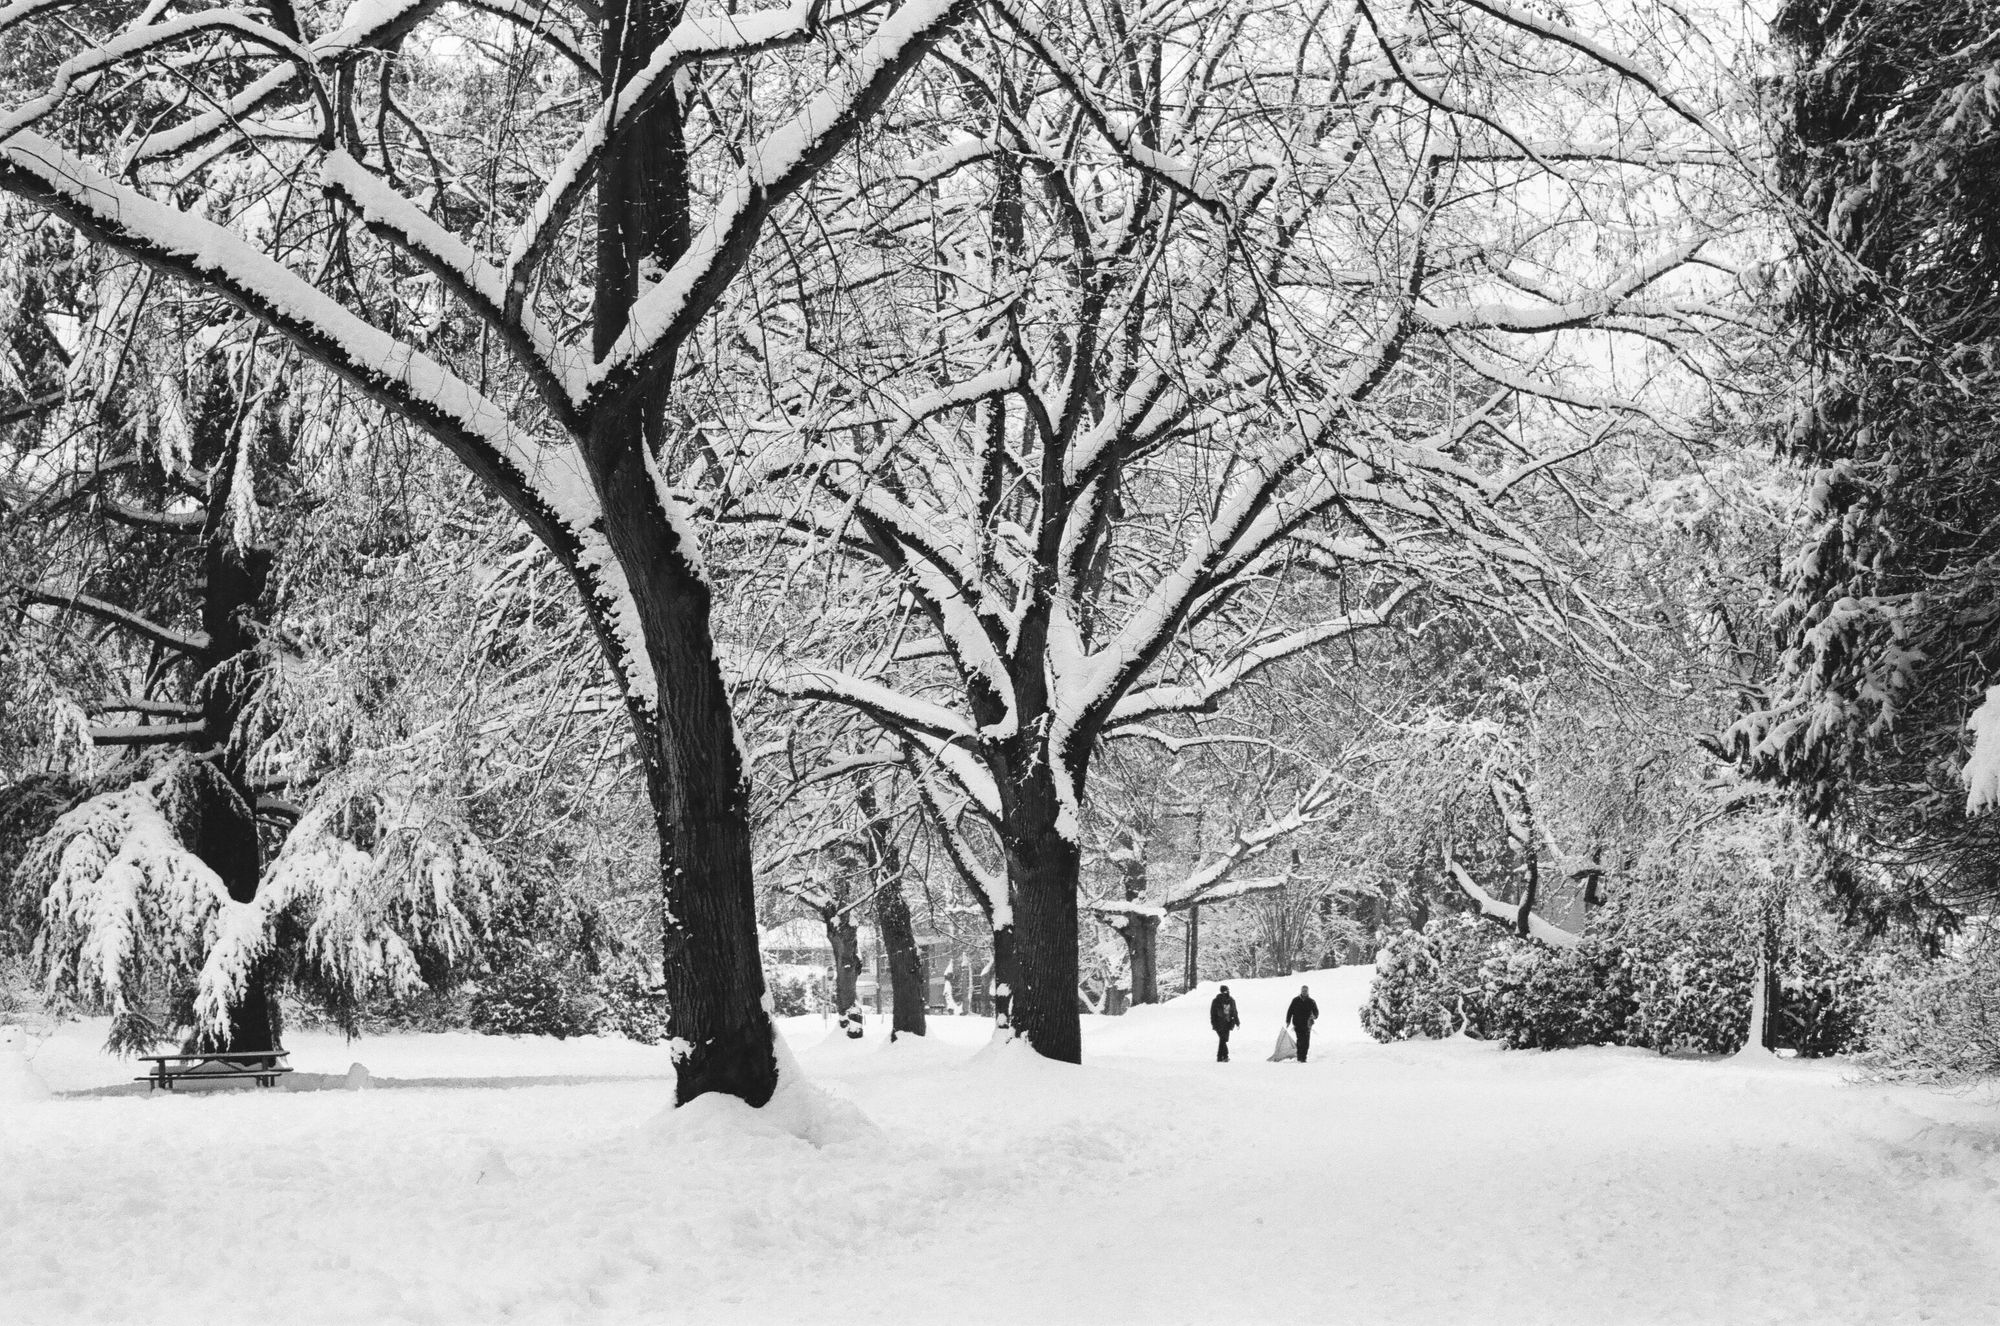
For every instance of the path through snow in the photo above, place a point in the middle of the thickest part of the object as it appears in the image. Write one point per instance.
(483, 1178)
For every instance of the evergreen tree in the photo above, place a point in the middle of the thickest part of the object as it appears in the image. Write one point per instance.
(1885, 119)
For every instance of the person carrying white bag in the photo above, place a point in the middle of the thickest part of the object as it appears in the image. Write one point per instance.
(1287, 1048)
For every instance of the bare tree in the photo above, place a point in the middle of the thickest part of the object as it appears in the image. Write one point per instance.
(1200, 337)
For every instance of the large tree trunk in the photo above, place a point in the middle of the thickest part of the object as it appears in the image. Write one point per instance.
(1141, 934)
(687, 735)
(234, 612)
(1042, 874)
(909, 990)
(846, 942)
(224, 836)
(908, 984)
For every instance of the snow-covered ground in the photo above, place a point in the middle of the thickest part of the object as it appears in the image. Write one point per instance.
(488, 1179)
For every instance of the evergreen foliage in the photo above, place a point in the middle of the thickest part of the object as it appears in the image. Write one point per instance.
(535, 991)
(1886, 123)
(377, 894)
(1938, 1021)
(1667, 981)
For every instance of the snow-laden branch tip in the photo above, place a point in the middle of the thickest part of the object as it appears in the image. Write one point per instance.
(1982, 768)
(1624, 65)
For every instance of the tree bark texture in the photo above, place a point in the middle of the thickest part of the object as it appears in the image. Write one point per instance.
(700, 799)
(1142, 946)
(908, 982)
(908, 987)
(1043, 872)
(234, 613)
(846, 942)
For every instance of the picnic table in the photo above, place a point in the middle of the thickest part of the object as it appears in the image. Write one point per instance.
(260, 1066)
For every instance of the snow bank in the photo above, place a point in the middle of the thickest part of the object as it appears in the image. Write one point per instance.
(800, 1109)
(489, 1178)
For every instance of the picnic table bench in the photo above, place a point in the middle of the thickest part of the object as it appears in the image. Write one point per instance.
(260, 1066)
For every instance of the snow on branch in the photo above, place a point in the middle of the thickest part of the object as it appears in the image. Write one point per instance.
(1200, 696)
(1213, 880)
(128, 910)
(1627, 67)
(1570, 314)
(193, 644)
(988, 887)
(554, 368)
(546, 485)
(933, 756)
(898, 712)
(139, 40)
(1508, 914)
(1177, 174)
(773, 168)
(534, 16)
(692, 41)
(22, 10)
(381, 886)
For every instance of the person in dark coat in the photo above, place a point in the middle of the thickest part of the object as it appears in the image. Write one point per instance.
(1222, 1016)
(1302, 1014)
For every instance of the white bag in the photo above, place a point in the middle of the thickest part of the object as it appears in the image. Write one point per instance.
(1287, 1048)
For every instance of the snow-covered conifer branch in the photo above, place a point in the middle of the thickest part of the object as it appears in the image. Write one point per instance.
(128, 909)
(189, 643)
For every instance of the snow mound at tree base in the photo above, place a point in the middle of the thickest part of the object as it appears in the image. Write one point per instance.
(1014, 1054)
(800, 1109)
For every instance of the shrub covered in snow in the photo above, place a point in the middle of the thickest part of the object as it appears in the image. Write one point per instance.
(797, 989)
(545, 951)
(1663, 980)
(634, 1007)
(537, 991)
(1428, 984)
(1940, 1020)
(1545, 998)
